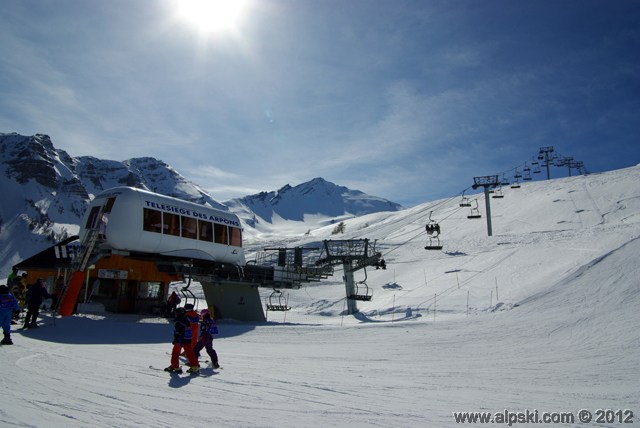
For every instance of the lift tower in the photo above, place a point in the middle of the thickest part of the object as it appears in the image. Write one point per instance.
(544, 155)
(487, 181)
(354, 254)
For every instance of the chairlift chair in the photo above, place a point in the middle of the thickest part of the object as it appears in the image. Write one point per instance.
(276, 304)
(187, 294)
(433, 230)
(475, 212)
(498, 193)
(432, 227)
(465, 202)
(515, 185)
(434, 243)
(362, 291)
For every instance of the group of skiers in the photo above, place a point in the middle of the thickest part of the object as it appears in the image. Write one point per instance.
(185, 337)
(15, 297)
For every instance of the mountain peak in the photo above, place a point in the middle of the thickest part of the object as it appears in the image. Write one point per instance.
(315, 197)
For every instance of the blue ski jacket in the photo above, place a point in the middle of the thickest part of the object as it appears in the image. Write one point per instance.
(8, 303)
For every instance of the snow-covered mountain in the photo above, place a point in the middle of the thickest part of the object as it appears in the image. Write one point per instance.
(45, 193)
(317, 197)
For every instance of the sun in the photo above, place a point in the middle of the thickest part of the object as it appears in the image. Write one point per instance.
(211, 15)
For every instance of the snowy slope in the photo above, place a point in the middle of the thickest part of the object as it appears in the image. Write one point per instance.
(552, 326)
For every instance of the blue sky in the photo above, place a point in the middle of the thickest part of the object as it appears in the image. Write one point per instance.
(408, 100)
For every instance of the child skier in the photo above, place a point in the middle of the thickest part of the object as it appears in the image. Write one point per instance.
(8, 304)
(194, 319)
(182, 339)
(208, 328)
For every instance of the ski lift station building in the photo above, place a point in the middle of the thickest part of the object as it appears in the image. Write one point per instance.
(136, 238)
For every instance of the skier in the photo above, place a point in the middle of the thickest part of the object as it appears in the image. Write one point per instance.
(8, 304)
(182, 339)
(19, 289)
(194, 319)
(35, 293)
(208, 328)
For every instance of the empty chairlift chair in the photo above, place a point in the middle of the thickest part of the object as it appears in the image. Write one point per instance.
(464, 202)
(362, 292)
(497, 194)
(475, 211)
(517, 175)
(275, 302)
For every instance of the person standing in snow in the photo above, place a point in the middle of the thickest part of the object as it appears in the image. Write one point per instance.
(208, 328)
(19, 289)
(194, 319)
(172, 303)
(8, 304)
(12, 276)
(35, 294)
(182, 339)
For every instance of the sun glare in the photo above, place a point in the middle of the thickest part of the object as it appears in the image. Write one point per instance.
(211, 15)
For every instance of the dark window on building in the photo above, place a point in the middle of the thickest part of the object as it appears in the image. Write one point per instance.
(152, 220)
(236, 237)
(109, 205)
(189, 227)
(105, 288)
(220, 232)
(92, 219)
(205, 230)
(150, 290)
(171, 224)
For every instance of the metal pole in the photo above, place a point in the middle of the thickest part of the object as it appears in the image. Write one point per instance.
(350, 288)
(487, 203)
(393, 312)
(548, 169)
(467, 303)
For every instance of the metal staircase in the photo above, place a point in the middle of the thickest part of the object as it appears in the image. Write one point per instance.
(81, 261)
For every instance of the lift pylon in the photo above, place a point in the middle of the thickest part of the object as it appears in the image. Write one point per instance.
(487, 182)
(354, 254)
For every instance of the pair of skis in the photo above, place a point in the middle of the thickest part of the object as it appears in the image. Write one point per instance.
(152, 367)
